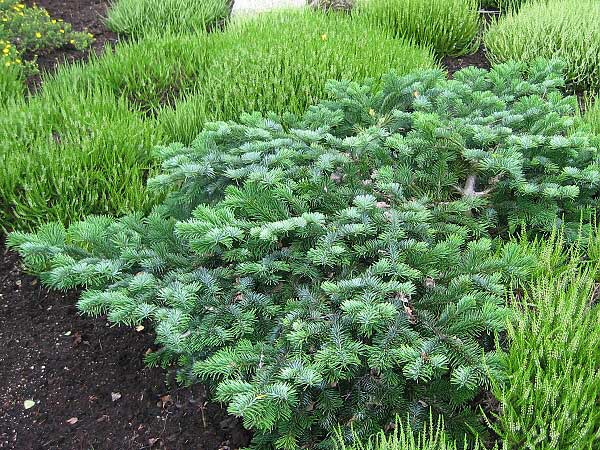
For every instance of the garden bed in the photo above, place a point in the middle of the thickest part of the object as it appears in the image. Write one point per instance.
(84, 15)
(88, 15)
(77, 367)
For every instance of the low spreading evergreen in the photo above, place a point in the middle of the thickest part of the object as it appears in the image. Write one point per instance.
(341, 267)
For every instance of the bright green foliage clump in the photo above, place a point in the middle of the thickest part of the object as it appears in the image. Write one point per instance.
(592, 115)
(404, 437)
(337, 268)
(142, 17)
(450, 27)
(11, 84)
(550, 401)
(566, 29)
(66, 156)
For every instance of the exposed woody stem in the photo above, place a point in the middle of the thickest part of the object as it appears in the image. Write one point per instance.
(469, 188)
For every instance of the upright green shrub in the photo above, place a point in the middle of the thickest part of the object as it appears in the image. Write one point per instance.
(138, 18)
(566, 29)
(450, 27)
(551, 398)
(66, 156)
(338, 267)
(592, 115)
(263, 65)
(12, 85)
(150, 74)
(403, 437)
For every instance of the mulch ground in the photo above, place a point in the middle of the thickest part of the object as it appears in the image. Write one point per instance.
(90, 386)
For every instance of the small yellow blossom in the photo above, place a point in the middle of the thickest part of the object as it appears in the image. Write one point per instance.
(7, 63)
(18, 61)
(38, 35)
(53, 20)
(61, 30)
(72, 41)
(324, 37)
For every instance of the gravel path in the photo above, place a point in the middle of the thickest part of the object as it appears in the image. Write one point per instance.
(245, 7)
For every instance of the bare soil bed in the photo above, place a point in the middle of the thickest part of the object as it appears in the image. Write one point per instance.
(90, 386)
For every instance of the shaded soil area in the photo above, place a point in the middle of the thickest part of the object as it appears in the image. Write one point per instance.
(479, 59)
(88, 381)
(83, 15)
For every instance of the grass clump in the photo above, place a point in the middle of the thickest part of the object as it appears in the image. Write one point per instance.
(565, 29)
(283, 72)
(550, 400)
(142, 17)
(450, 27)
(592, 115)
(404, 437)
(11, 84)
(62, 157)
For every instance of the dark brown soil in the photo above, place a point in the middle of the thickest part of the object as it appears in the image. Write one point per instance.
(478, 59)
(77, 369)
(83, 15)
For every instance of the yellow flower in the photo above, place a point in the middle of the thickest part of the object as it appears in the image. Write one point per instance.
(5, 51)
(61, 30)
(72, 41)
(18, 61)
(90, 35)
(53, 20)
(7, 63)
(38, 35)
(324, 37)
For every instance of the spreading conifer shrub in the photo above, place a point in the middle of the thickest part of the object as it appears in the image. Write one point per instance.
(565, 29)
(339, 267)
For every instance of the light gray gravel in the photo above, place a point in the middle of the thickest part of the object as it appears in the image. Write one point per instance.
(247, 7)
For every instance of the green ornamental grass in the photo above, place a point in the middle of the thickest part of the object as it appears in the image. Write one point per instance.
(551, 398)
(404, 437)
(11, 84)
(263, 65)
(592, 115)
(450, 27)
(566, 29)
(63, 156)
(141, 17)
